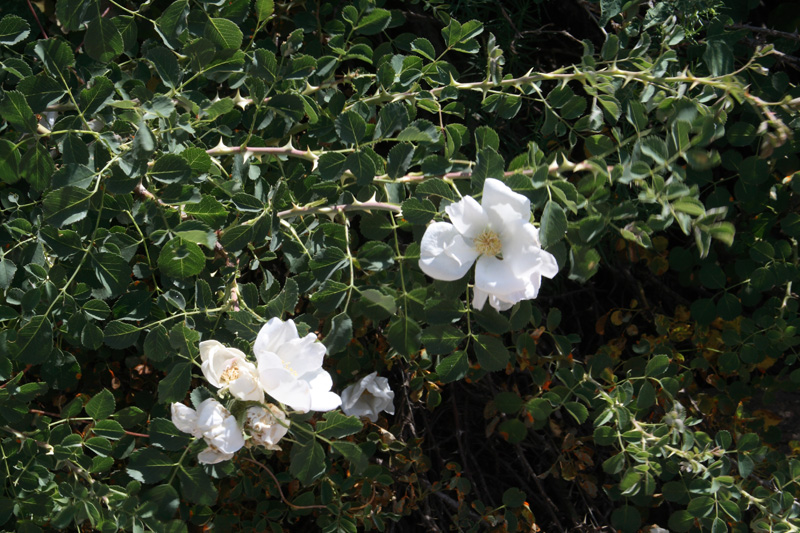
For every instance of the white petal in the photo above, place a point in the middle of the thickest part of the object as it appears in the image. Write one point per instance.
(230, 438)
(296, 394)
(502, 205)
(468, 217)
(303, 355)
(210, 456)
(184, 418)
(274, 334)
(318, 379)
(274, 378)
(246, 388)
(479, 298)
(444, 254)
(324, 401)
(496, 276)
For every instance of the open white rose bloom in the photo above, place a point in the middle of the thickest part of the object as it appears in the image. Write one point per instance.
(228, 369)
(498, 233)
(368, 397)
(290, 368)
(214, 424)
(266, 426)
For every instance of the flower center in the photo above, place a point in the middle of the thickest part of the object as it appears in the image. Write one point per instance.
(488, 243)
(288, 367)
(230, 374)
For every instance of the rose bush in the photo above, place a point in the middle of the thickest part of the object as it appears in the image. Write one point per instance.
(309, 184)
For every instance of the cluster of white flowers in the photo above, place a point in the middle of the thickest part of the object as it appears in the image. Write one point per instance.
(288, 368)
(498, 234)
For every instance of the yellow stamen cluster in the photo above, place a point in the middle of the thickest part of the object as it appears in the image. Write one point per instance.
(230, 374)
(488, 243)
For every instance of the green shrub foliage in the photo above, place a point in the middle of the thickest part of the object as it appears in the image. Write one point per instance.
(173, 172)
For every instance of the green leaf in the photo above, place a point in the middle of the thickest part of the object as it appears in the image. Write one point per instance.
(440, 339)
(34, 341)
(224, 33)
(418, 211)
(374, 22)
(491, 353)
(578, 411)
(105, 41)
(330, 296)
(513, 430)
(13, 29)
(181, 259)
(101, 406)
(419, 131)
(718, 56)
(72, 13)
(113, 273)
(657, 366)
(170, 168)
(57, 57)
(488, 164)
(362, 166)
(350, 127)
(156, 344)
(97, 96)
(453, 367)
(307, 461)
(9, 162)
(37, 167)
(377, 305)
(175, 385)
(172, 23)
(608, 10)
(15, 110)
(66, 205)
(508, 402)
(701, 506)
(7, 271)
(553, 224)
(337, 425)
(285, 301)
(209, 210)
(354, 454)
(423, 47)
(681, 521)
(375, 256)
(110, 429)
(626, 519)
(166, 64)
(196, 486)
(399, 159)
(148, 465)
(689, 205)
(340, 335)
(164, 434)
(41, 91)
(264, 9)
(404, 335)
(119, 334)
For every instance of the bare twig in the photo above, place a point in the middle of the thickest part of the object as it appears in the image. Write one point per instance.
(280, 491)
(44, 33)
(768, 31)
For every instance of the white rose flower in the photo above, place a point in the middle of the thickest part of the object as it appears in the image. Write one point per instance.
(214, 424)
(368, 397)
(498, 233)
(290, 368)
(267, 425)
(228, 369)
